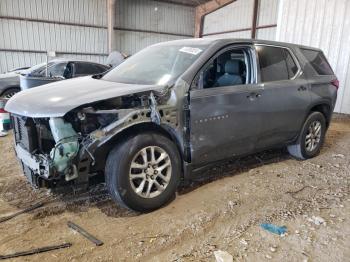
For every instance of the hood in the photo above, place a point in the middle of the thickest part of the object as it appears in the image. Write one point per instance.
(8, 75)
(13, 74)
(57, 99)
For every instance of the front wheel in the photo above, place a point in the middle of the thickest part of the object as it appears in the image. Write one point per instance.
(311, 137)
(9, 93)
(143, 172)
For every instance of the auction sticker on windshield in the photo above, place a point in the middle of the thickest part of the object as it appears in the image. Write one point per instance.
(191, 50)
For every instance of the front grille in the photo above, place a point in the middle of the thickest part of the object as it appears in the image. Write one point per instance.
(25, 133)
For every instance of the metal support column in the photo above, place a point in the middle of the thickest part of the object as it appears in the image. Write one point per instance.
(255, 18)
(110, 24)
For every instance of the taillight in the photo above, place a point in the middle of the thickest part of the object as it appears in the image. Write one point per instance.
(2, 110)
(335, 83)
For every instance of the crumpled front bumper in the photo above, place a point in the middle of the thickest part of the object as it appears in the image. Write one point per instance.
(34, 166)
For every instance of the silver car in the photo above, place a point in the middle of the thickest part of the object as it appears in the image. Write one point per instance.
(56, 70)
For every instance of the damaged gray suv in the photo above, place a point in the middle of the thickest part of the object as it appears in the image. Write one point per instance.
(170, 110)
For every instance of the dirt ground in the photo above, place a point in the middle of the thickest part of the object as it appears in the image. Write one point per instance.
(223, 212)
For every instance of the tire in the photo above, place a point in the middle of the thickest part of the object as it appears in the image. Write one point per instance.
(304, 150)
(126, 191)
(8, 93)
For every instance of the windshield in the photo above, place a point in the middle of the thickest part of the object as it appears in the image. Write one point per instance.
(39, 70)
(156, 65)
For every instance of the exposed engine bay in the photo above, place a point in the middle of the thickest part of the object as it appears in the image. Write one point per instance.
(57, 149)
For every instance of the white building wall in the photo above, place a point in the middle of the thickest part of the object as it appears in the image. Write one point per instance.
(324, 24)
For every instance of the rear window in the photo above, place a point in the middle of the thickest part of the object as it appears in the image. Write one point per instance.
(318, 61)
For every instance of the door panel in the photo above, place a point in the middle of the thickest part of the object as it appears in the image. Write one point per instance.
(286, 95)
(224, 122)
(282, 108)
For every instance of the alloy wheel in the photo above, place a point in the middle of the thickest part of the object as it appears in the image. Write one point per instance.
(150, 171)
(313, 136)
(9, 95)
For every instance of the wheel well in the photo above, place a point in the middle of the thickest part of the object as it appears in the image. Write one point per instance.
(9, 88)
(102, 152)
(325, 110)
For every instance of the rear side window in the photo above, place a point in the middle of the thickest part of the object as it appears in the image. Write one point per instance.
(100, 69)
(291, 66)
(85, 69)
(318, 61)
(276, 64)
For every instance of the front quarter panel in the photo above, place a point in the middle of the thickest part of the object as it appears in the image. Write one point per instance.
(8, 82)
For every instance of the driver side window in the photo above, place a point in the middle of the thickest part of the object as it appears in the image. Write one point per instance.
(227, 69)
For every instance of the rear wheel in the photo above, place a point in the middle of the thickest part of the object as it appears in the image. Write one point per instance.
(9, 93)
(143, 172)
(311, 137)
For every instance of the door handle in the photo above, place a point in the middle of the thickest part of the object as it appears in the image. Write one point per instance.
(253, 96)
(302, 88)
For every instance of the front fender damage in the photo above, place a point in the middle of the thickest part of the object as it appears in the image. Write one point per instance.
(66, 148)
(75, 151)
(157, 110)
(164, 114)
(61, 160)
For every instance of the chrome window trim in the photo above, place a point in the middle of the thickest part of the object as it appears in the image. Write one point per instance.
(296, 61)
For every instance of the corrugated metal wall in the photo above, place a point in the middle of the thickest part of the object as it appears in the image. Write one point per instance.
(235, 16)
(140, 23)
(324, 24)
(238, 17)
(267, 16)
(75, 29)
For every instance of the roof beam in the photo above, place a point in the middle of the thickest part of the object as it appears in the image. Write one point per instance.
(176, 3)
